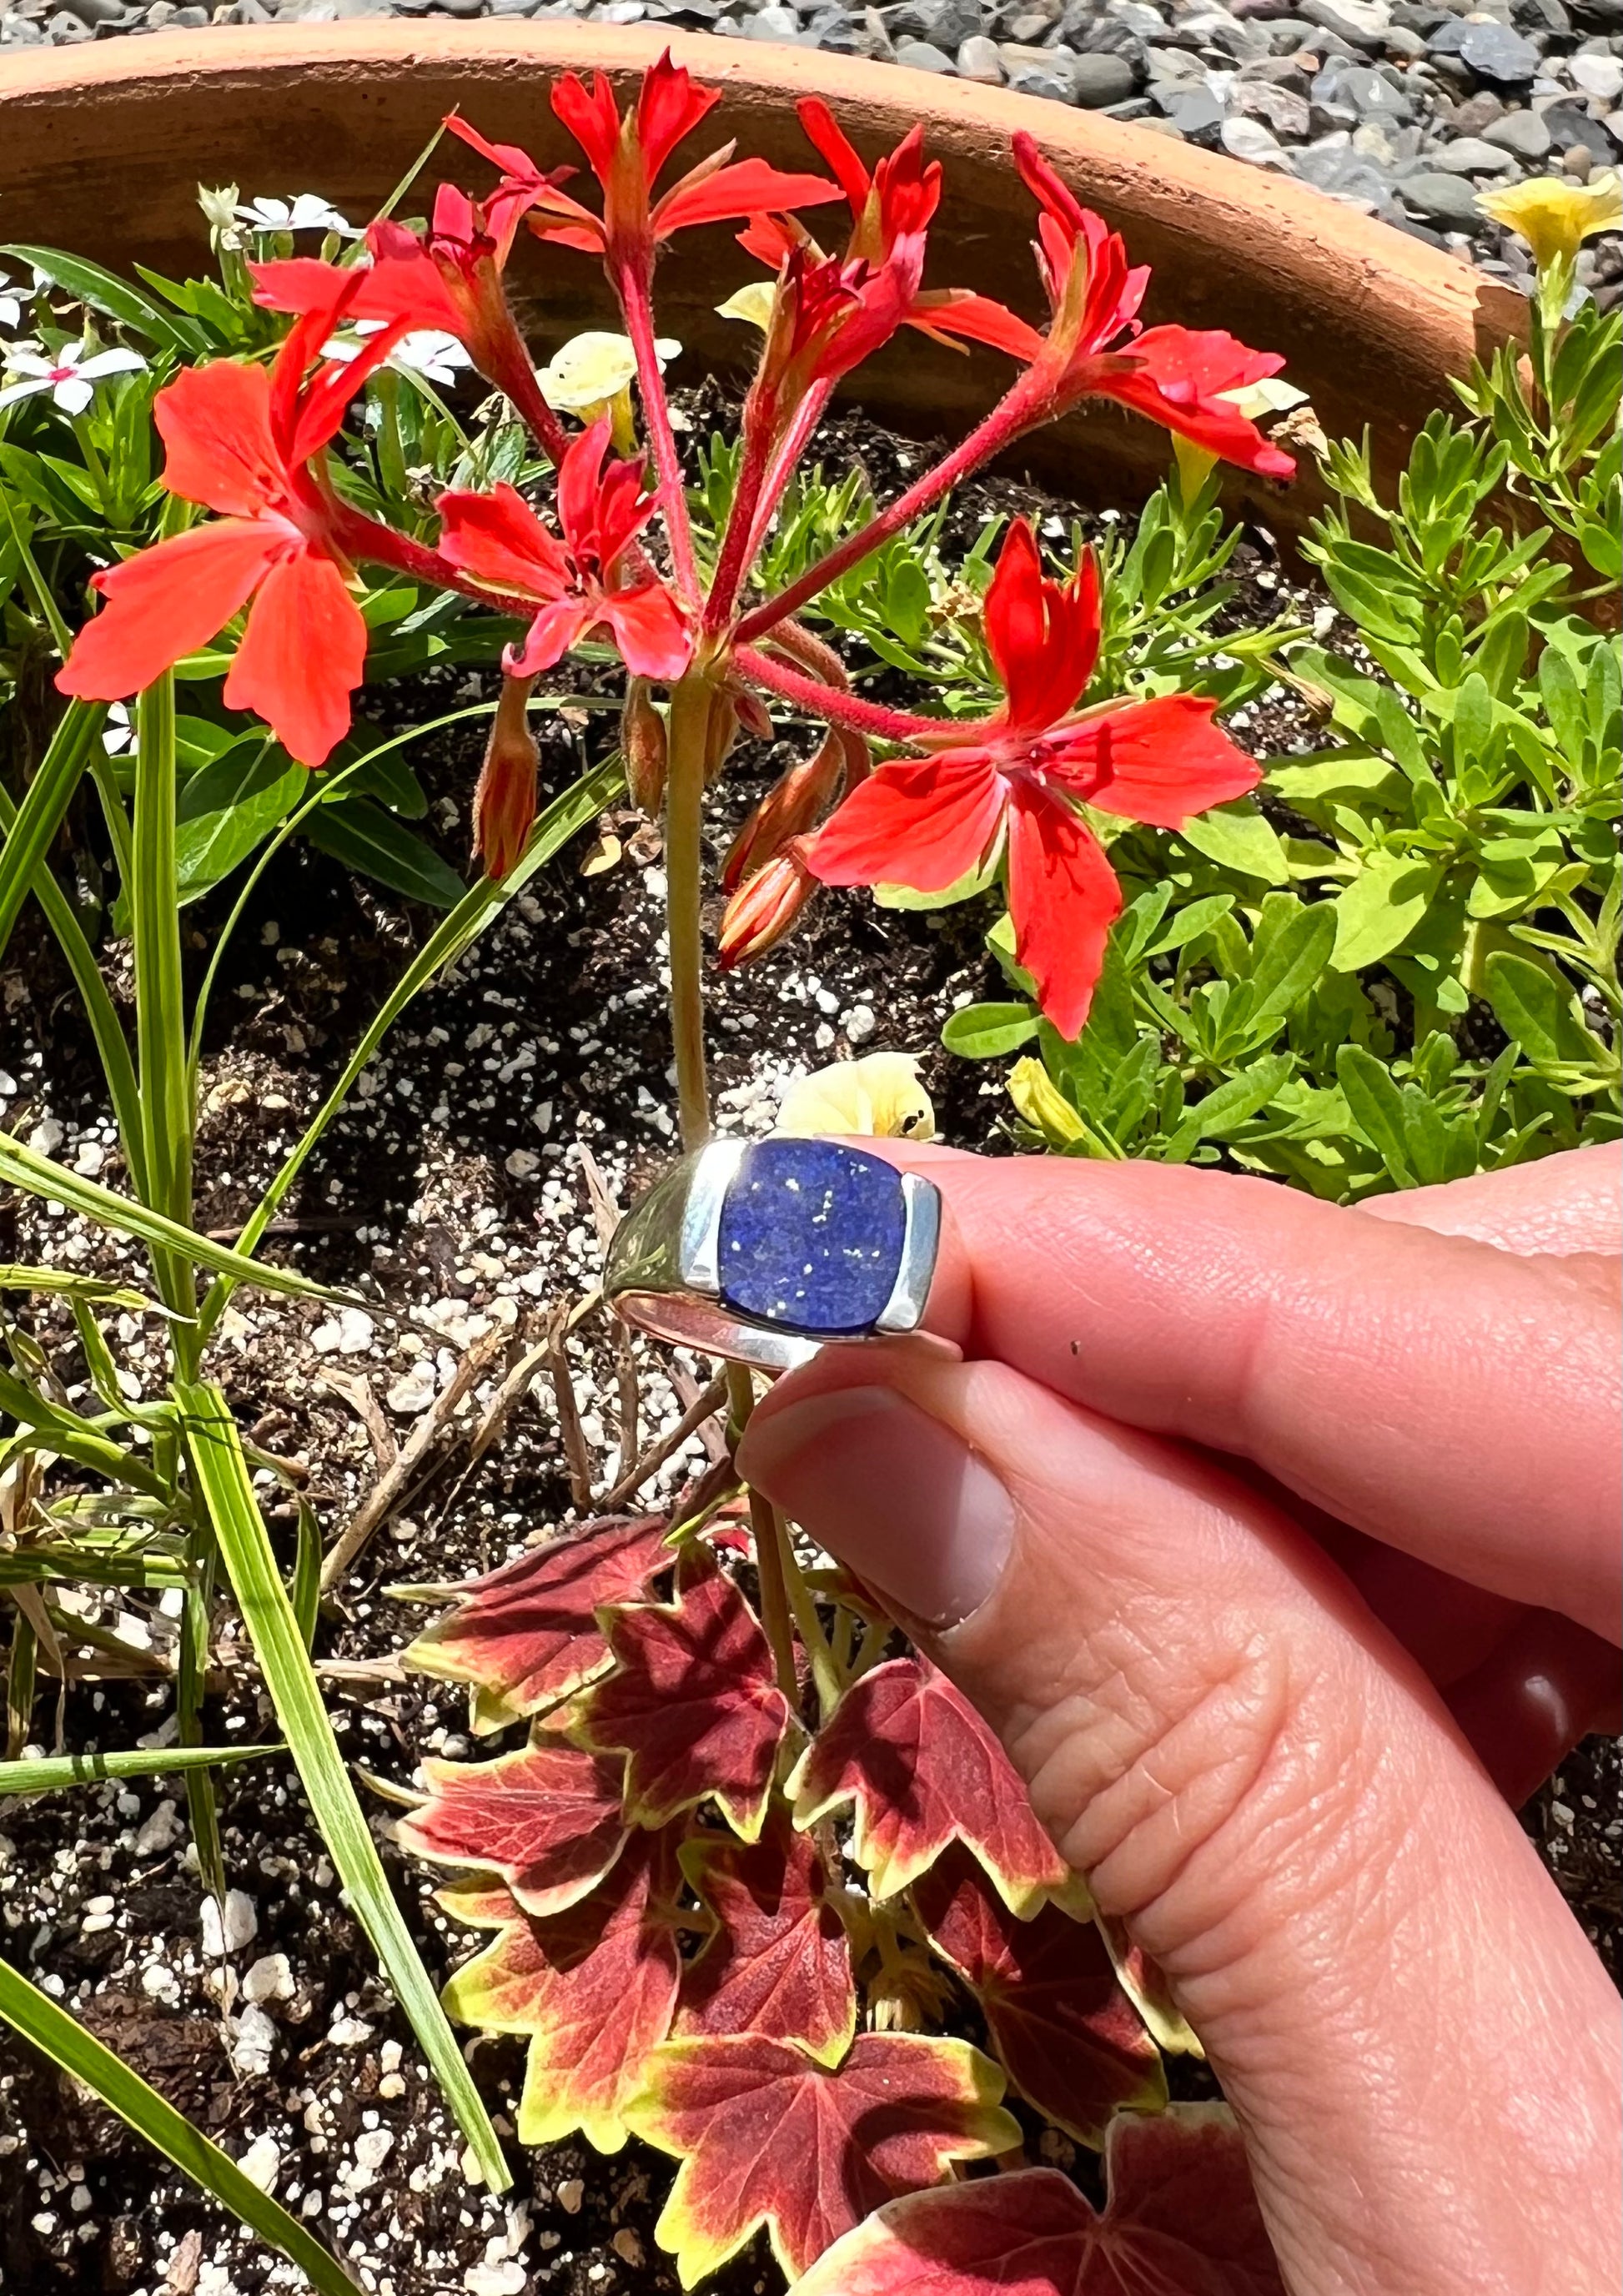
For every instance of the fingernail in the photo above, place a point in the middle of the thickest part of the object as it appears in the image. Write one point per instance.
(893, 1493)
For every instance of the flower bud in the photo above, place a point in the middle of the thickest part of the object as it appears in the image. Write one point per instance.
(788, 811)
(723, 732)
(504, 800)
(767, 908)
(643, 742)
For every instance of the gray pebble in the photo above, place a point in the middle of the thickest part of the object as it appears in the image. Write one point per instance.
(1282, 108)
(1474, 155)
(979, 59)
(1600, 76)
(1569, 125)
(1362, 23)
(1098, 80)
(1197, 113)
(1248, 139)
(1440, 199)
(95, 11)
(1524, 134)
(1494, 51)
(923, 55)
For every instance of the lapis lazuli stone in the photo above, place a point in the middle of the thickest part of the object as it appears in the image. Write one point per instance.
(811, 1235)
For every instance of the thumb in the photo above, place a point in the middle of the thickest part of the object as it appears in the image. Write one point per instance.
(1257, 1780)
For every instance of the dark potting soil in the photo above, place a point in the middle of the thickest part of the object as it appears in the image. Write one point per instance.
(453, 1195)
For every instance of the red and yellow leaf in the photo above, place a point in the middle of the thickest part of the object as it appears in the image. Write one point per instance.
(692, 1703)
(1144, 1983)
(779, 1961)
(768, 2136)
(548, 1820)
(1068, 2037)
(526, 1635)
(594, 1987)
(1182, 2220)
(921, 1769)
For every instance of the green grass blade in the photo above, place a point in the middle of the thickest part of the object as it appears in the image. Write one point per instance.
(71, 1565)
(64, 1431)
(305, 1593)
(112, 1045)
(40, 1175)
(67, 1283)
(160, 1022)
(32, 830)
(215, 1449)
(64, 2040)
(563, 818)
(191, 1685)
(57, 1770)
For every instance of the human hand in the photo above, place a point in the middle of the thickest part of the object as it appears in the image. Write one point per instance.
(1275, 1539)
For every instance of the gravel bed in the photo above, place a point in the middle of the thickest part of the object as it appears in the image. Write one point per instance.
(1404, 109)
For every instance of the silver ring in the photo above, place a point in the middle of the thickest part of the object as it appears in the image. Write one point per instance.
(765, 1250)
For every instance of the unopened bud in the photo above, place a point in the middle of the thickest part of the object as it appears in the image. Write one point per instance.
(504, 800)
(643, 742)
(787, 810)
(722, 733)
(767, 908)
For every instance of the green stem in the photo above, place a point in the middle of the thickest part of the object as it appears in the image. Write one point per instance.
(688, 744)
(161, 1030)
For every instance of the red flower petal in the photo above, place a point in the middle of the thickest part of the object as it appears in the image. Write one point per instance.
(214, 424)
(498, 538)
(649, 630)
(593, 119)
(747, 188)
(669, 106)
(824, 131)
(924, 825)
(1063, 898)
(554, 630)
(165, 602)
(1174, 374)
(1157, 762)
(1042, 636)
(956, 311)
(301, 656)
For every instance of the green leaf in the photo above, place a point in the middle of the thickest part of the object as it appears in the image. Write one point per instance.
(59, 1770)
(1237, 837)
(982, 1032)
(228, 806)
(1534, 1007)
(84, 2059)
(1228, 1105)
(25, 1168)
(1290, 959)
(1381, 908)
(105, 292)
(1377, 1108)
(215, 1449)
(33, 829)
(358, 833)
(63, 1430)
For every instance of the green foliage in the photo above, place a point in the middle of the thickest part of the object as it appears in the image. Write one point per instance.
(1402, 967)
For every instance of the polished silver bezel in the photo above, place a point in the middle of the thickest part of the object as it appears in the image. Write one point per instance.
(903, 1311)
(710, 1174)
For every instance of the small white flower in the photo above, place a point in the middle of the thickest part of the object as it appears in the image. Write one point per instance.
(118, 733)
(427, 351)
(69, 376)
(306, 212)
(11, 304)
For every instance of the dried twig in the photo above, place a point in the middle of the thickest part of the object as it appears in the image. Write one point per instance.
(575, 1450)
(392, 1487)
(704, 1407)
(357, 1393)
(601, 1196)
(687, 1394)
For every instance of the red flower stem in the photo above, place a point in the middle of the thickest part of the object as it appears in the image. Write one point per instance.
(1013, 413)
(732, 563)
(512, 372)
(358, 536)
(827, 701)
(638, 308)
(808, 416)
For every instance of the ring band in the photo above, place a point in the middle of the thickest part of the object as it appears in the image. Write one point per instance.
(765, 1250)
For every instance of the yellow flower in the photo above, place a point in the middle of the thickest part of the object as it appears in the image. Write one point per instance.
(591, 375)
(1554, 216)
(880, 1098)
(752, 304)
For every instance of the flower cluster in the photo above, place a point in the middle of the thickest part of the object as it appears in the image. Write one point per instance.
(250, 444)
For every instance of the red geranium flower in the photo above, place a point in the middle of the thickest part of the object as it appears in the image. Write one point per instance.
(247, 443)
(580, 581)
(1094, 348)
(626, 157)
(927, 823)
(451, 282)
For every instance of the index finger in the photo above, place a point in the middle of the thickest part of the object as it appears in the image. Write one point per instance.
(1459, 1401)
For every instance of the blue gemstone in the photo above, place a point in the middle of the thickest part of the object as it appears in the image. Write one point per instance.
(811, 1235)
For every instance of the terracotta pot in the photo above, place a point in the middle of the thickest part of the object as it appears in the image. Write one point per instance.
(102, 148)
